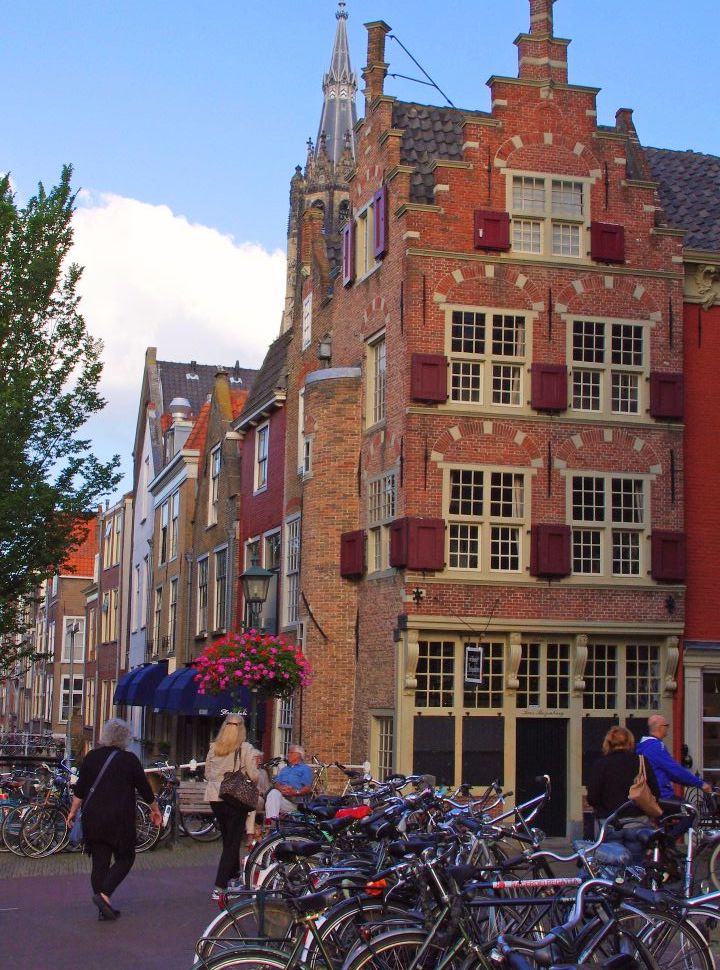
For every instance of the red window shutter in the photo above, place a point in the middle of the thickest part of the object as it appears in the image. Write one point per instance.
(550, 550)
(492, 230)
(668, 556)
(352, 554)
(428, 377)
(549, 387)
(380, 221)
(666, 395)
(607, 242)
(348, 252)
(417, 544)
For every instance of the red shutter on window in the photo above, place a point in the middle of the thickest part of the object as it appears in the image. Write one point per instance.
(668, 556)
(352, 554)
(550, 550)
(492, 230)
(666, 395)
(380, 221)
(428, 377)
(607, 242)
(348, 252)
(417, 544)
(549, 387)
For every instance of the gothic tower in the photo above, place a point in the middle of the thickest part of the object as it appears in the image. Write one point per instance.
(322, 184)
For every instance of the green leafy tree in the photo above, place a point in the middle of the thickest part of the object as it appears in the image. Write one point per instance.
(50, 366)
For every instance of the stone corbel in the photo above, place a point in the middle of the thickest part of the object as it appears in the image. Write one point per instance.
(412, 652)
(514, 658)
(581, 655)
(672, 657)
(706, 281)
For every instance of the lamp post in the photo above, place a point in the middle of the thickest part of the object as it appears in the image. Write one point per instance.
(256, 583)
(72, 629)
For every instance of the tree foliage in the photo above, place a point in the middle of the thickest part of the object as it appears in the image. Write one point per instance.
(50, 366)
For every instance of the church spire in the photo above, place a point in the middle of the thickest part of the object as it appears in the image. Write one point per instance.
(339, 90)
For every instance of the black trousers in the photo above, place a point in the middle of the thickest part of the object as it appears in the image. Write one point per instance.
(232, 828)
(107, 875)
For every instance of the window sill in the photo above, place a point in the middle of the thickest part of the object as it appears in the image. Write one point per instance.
(368, 273)
(202, 635)
(221, 631)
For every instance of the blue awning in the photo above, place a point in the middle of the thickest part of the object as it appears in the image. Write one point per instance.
(176, 692)
(211, 705)
(123, 685)
(141, 690)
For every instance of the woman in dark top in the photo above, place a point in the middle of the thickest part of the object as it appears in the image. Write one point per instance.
(108, 820)
(612, 775)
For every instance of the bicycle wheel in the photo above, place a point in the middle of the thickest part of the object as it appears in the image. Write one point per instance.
(351, 922)
(11, 828)
(714, 865)
(250, 923)
(201, 828)
(43, 832)
(603, 939)
(146, 834)
(677, 944)
(262, 856)
(405, 949)
(248, 958)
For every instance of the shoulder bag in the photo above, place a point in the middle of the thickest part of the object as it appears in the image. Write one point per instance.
(76, 832)
(641, 793)
(238, 790)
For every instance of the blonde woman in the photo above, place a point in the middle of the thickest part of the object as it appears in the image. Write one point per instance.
(228, 752)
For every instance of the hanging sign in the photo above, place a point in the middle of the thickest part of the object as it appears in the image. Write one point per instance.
(474, 663)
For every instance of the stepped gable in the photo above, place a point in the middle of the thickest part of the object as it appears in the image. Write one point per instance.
(271, 377)
(689, 187)
(430, 133)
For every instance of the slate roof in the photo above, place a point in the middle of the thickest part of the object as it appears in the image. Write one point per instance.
(272, 375)
(430, 133)
(689, 187)
(195, 381)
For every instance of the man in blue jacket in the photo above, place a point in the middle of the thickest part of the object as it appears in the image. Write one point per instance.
(667, 769)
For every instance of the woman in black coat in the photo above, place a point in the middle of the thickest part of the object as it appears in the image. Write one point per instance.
(108, 819)
(612, 775)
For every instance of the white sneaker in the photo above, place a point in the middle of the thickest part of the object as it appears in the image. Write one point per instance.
(216, 894)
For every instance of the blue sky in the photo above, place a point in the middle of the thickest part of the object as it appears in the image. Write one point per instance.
(184, 121)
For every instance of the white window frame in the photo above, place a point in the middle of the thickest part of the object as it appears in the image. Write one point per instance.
(79, 651)
(215, 466)
(172, 615)
(220, 597)
(203, 603)
(539, 220)
(602, 533)
(601, 372)
(163, 545)
(174, 524)
(157, 618)
(382, 505)
(68, 703)
(285, 717)
(262, 452)
(365, 260)
(307, 306)
(292, 570)
(376, 379)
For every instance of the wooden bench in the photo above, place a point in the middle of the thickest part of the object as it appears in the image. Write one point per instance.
(191, 798)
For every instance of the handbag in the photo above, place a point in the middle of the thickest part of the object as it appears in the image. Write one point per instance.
(641, 793)
(76, 832)
(238, 790)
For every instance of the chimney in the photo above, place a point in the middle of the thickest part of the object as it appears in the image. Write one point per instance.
(541, 17)
(376, 69)
(541, 55)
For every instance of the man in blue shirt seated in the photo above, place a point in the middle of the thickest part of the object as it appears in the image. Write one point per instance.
(667, 769)
(291, 783)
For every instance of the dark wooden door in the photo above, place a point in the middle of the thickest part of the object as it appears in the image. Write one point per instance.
(541, 749)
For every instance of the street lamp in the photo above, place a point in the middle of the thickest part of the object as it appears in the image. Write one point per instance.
(256, 584)
(73, 629)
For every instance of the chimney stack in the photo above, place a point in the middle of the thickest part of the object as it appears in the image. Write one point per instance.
(374, 73)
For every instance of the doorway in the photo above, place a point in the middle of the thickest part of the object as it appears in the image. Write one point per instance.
(541, 749)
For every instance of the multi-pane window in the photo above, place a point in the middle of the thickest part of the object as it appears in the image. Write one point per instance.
(544, 676)
(435, 673)
(365, 260)
(548, 216)
(642, 677)
(384, 749)
(609, 523)
(608, 366)
(172, 615)
(74, 639)
(221, 589)
(487, 357)
(214, 489)
(164, 528)
(157, 615)
(292, 570)
(136, 597)
(304, 441)
(306, 321)
(489, 693)
(381, 511)
(174, 523)
(202, 597)
(286, 711)
(377, 360)
(601, 676)
(69, 705)
(262, 436)
(486, 514)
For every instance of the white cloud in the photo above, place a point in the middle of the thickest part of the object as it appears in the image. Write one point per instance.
(151, 278)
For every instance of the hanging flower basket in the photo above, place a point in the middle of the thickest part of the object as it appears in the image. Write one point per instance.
(260, 661)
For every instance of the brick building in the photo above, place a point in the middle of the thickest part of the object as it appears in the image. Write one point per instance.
(492, 507)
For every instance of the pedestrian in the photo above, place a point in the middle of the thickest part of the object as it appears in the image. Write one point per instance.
(230, 751)
(667, 769)
(609, 783)
(108, 780)
(291, 784)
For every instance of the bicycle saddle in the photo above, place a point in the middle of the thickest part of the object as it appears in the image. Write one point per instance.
(291, 851)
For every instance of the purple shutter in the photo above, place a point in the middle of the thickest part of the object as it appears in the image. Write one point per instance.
(417, 544)
(549, 387)
(491, 230)
(550, 550)
(668, 556)
(352, 554)
(607, 242)
(380, 221)
(348, 252)
(428, 378)
(666, 395)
